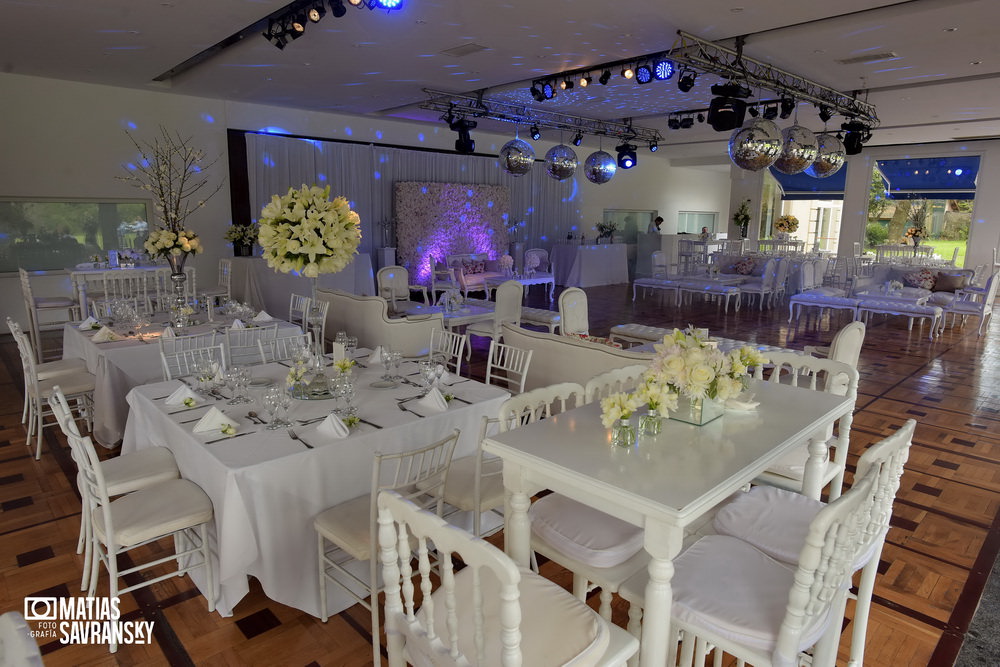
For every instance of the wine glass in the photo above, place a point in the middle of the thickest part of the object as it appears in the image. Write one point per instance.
(350, 346)
(276, 402)
(396, 358)
(386, 361)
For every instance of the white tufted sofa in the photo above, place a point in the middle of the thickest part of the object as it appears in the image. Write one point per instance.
(367, 317)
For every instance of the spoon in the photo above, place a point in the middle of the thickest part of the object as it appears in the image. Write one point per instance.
(254, 417)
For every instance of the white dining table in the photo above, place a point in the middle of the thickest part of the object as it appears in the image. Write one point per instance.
(266, 487)
(122, 364)
(664, 483)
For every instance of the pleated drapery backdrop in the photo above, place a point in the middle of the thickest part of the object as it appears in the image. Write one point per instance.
(542, 209)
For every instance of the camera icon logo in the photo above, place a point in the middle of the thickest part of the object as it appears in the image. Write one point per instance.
(40, 608)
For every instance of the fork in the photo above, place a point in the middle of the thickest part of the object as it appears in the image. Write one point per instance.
(295, 436)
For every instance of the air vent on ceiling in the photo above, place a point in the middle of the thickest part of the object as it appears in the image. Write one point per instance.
(464, 50)
(870, 58)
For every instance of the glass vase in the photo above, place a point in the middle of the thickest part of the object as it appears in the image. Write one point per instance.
(697, 411)
(622, 433)
(649, 423)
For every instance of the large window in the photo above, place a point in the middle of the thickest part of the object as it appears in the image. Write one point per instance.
(54, 234)
(691, 222)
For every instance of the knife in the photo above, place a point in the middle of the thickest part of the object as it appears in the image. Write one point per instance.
(229, 437)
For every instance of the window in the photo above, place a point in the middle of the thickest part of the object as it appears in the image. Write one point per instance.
(691, 222)
(58, 234)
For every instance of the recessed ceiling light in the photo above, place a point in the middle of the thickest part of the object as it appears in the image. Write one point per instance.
(976, 62)
(951, 29)
(736, 10)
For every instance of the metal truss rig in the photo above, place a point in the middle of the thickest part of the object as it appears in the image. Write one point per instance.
(475, 106)
(710, 57)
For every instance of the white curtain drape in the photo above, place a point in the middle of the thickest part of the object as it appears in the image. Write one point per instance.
(542, 209)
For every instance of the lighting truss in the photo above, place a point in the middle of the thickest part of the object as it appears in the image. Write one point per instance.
(477, 106)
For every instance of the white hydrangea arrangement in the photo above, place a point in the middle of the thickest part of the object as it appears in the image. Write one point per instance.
(304, 231)
(163, 242)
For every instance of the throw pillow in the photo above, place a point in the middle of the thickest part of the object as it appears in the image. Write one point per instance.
(600, 340)
(923, 278)
(950, 283)
(744, 266)
(470, 268)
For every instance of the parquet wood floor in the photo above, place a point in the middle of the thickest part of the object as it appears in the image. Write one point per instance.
(942, 544)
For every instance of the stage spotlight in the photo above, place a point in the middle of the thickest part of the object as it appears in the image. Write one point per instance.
(653, 147)
(275, 34)
(674, 123)
(663, 69)
(685, 82)
(643, 74)
(726, 113)
(585, 80)
(317, 11)
(770, 112)
(298, 23)
(535, 134)
(464, 144)
(565, 84)
(605, 77)
(537, 93)
(787, 107)
(626, 155)
(701, 118)
(627, 72)
(824, 113)
(548, 90)
(687, 123)
(578, 138)
(753, 111)
(857, 135)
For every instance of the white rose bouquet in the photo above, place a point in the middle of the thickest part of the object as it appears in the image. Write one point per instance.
(306, 232)
(163, 242)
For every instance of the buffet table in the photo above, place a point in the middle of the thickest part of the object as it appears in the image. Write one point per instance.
(266, 487)
(590, 265)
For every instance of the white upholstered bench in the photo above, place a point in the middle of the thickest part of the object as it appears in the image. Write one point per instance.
(910, 310)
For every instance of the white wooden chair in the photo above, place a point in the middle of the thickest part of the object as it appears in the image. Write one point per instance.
(184, 362)
(242, 347)
(316, 321)
(827, 375)
(845, 346)
(732, 598)
(46, 370)
(490, 612)
(223, 291)
(394, 286)
(298, 309)
(35, 306)
(282, 349)
(530, 406)
(573, 313)
(659, 264)
(975, 308)
(447, 348)
(123, 474)
(508, 311)
(347, 532)
(776, 521)
(763, 286)
(177, 508)
(475, 483)
(543, 269)
(616, 380)
(443, 279)
(512, 364)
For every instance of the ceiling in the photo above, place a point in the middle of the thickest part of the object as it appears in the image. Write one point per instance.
(940, 85)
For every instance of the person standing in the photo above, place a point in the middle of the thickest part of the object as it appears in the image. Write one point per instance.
(654, 226)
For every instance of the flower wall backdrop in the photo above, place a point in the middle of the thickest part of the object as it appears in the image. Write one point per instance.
(438, 219)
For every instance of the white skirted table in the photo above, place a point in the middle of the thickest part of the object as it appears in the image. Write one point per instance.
(590, 265)
(255, 283)
(662, 484)
(266, 487)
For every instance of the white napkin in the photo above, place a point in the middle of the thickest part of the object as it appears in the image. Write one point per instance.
(433, 401)
(213, 420)
(87, 324)
(181, 394)
(238, 324)
(376, 356)
(262, 316)
(742, 403)
(220, 375)
(331, 427)
(105, 335)
(168, 333)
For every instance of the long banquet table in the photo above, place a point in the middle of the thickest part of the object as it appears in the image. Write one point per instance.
(662, 484)
(266, 487)
(122, 364)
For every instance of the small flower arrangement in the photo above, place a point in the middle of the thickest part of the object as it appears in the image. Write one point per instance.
(452, 300)
(344, 366)
(506, 263)
(448, 398)
(296, 373)
(99, 259)
(242, 234)
(914, 234)
(787, 224)
(656, 394)
(616, 407)
(607, 228)
(742, 216)
(189, 402)
(351, 421)
(895, 286)
(163, 242)
(304, 231)
(227, 429)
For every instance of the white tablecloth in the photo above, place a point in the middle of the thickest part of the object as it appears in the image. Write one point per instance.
(266, 488)
(590, 265)
(262, 287)
(123, 364)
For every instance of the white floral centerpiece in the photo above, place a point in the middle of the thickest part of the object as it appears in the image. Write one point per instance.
(164, 243)
(242, 235)
(304, 231)
(506, 264)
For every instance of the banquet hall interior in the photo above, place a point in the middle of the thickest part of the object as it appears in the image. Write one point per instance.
(812, 165)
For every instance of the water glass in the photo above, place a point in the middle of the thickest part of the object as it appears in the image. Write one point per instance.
(427, 372)
(350, 346)
(386, 361)
(276, 401)
(347, 394)
(396, 358)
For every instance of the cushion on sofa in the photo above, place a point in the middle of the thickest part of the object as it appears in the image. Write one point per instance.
(745, 266)
(946, 282)
(922, 278)
(601, 340)
(473, 267)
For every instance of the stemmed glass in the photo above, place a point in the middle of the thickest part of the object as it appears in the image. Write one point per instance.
(396, 358)
(204, 374)
(237, 379)
(350, 346)
(276, 402)
(347, 394)
(386, 361)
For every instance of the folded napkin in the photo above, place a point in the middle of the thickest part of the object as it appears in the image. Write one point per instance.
(238, 324)
(376, 355)
(433, 401)
(330, 428)
(219, 376)
(213, 420)
(87, 324)
(168, 333)
(742, 403)
(105, 335)
(182, 394)
(262, 316)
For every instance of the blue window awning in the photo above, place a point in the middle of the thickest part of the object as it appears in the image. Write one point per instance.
(931, 178)
(803, 186)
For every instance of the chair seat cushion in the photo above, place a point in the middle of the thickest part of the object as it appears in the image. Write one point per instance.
(71, 383)
(54, 302)
(584, 533)
(460, 490)
(156, 510)
(349, 526)
(746, 606)
(51, 369)
(547, 612)
(130, 472)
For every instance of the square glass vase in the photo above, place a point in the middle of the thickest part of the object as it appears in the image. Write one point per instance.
(697, 411)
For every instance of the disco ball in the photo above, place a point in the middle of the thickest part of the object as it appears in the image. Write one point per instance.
(756, 145)
(516, 157)
(830, 157)
(600, 167)
(798, 150)
(560, 162)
